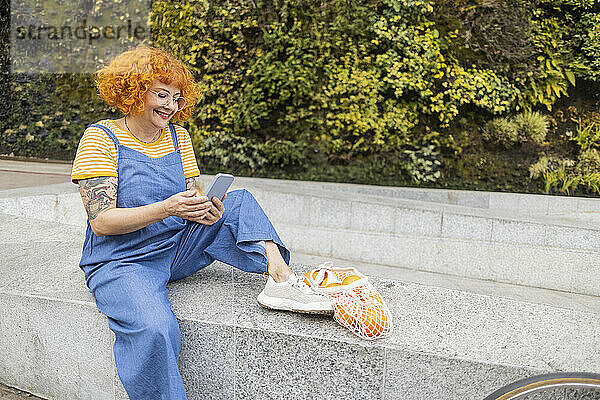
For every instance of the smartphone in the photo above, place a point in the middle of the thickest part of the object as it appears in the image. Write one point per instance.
(219, 185)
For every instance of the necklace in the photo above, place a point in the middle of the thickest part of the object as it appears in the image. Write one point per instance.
(127, 126)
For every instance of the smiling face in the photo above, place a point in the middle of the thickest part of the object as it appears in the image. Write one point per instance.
(159, 107)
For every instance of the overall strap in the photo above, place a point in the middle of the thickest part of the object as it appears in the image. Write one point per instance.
(174, 136)
(108, 132)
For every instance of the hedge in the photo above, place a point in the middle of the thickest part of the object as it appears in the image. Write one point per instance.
(401, 92)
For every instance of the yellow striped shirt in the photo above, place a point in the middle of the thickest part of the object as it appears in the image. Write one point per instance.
(97, 154)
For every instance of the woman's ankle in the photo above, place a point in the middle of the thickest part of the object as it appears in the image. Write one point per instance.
(280, 274)
(276, 266)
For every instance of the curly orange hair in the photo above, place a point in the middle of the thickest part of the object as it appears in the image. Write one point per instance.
(123, 83)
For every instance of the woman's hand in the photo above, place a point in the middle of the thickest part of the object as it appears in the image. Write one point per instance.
(188, 206)
(215, 213)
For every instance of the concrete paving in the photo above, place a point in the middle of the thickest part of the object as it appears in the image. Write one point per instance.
(20, 174)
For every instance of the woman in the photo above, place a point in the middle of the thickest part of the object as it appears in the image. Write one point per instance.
(147, 225)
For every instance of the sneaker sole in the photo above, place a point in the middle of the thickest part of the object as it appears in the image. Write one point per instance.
(263, 300)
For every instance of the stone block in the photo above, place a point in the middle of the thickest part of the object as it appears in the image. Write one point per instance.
(207, 360)
(469, 199)
(330, 213)
(59, 349)
(70, 210)
(284, 207)
(9, 206)
(466, 227)
(492, 330)
(419, 376)
(273, 365)
(215, 282)
(572, 238)
(15, 229)
(418, 222)
(42, 268)
(377, 248)
(312, 240)
(462, 258)
(372, 217)
(39, 207)
(510, 231)
(428, 195)
(535, 204)
(237, 349)
(583, 271)
(561, 204)
(588, 205)
(522, 265)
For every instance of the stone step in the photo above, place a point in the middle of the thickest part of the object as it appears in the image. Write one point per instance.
(576, 271)
(19, 236)
(519, 202)
(530, 294)
(547, 251)
(447, 343)
(454, 338)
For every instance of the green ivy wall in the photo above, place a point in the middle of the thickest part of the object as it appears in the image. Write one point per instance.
(447, 93)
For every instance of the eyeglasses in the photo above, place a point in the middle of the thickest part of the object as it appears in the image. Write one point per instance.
(165, 98)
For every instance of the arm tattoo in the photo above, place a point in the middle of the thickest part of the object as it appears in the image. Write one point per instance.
(192, 184)
(98, 194)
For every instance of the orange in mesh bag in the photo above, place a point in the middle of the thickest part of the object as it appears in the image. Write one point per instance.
(357, 304)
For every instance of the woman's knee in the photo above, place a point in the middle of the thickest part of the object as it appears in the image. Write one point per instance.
(148, 328)
(237, 195)
(160, 325)
(237, 198)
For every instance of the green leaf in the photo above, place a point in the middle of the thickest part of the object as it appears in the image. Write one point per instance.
(570, 76)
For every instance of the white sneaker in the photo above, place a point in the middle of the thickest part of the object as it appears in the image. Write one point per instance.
(294, 295)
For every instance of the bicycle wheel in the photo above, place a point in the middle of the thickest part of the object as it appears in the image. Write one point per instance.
(524, 387)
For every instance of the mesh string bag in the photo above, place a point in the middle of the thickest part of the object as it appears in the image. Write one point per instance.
(358, 306)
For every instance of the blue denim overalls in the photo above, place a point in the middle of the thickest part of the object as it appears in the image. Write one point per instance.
(127, 274)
